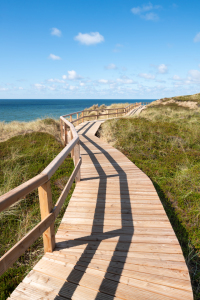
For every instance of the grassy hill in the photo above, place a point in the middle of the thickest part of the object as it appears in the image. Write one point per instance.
(188, 102)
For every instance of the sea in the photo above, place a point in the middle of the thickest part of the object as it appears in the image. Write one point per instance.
(29, 110)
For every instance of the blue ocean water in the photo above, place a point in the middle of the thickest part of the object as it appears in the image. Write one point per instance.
(28, 110)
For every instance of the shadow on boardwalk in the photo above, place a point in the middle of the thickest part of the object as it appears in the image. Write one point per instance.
(107, 287)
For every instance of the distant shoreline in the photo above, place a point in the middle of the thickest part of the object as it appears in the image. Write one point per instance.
(23, 110)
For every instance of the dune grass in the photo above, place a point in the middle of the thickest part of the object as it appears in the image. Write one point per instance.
(164, 143)
(21, 158)
(187, 101)
(14, 128)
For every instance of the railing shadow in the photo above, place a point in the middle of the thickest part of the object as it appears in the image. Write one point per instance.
(107, 287)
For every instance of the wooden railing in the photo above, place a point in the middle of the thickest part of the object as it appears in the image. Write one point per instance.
(83, 115)
(48, 212)
(42, 182)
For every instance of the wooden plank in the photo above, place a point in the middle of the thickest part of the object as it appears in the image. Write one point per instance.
(93, 280)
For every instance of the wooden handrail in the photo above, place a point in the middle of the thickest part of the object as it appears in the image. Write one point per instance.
(70, 138)
(19, 248)
(115, 112)
(48, 213)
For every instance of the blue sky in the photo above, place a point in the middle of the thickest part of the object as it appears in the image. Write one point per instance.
(118, 49)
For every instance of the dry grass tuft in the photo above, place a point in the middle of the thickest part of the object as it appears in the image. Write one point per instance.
(188, 101)
(15, 128)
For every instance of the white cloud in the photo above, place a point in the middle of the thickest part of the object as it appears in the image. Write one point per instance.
(136, 10)
(142, 12)
(151, 17)
(82, 83)
(176, 77)
(51, 88)
(159, 80)
(162, 69)
(56, 31)
(197, 38)
(146, 76)
(39, 86)
(21, 88)
(111, 67)
(54, 57)
(72, 87)
(3, 89)
(56, 80)
(195, 75)
(72, 75)
(125, 81)
(105, 81)
(91, 38)
(117, 47)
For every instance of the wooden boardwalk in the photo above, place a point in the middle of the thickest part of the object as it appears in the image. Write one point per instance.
(115, 240)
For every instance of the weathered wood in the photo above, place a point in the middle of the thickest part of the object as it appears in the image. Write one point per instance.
(46, 207)
(22, 190)
(77, 119)
(66, 189)
(72, 151)
(18, 249)
(82, 116)
(61, 129)
(76, 160)
(58, 160)
(65, 133)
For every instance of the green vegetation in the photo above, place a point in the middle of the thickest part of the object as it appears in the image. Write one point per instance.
(188, 101)
(164, 143)
(21, 158)
(14, 128)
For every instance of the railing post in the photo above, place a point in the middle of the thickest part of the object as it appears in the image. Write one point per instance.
(46, 207)
(116, 113)
(82, 116)
(72, 152)
(70, 118)
(77, 118)
(76, 159)
(61, 130)
(65, 133)
(97, 116)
